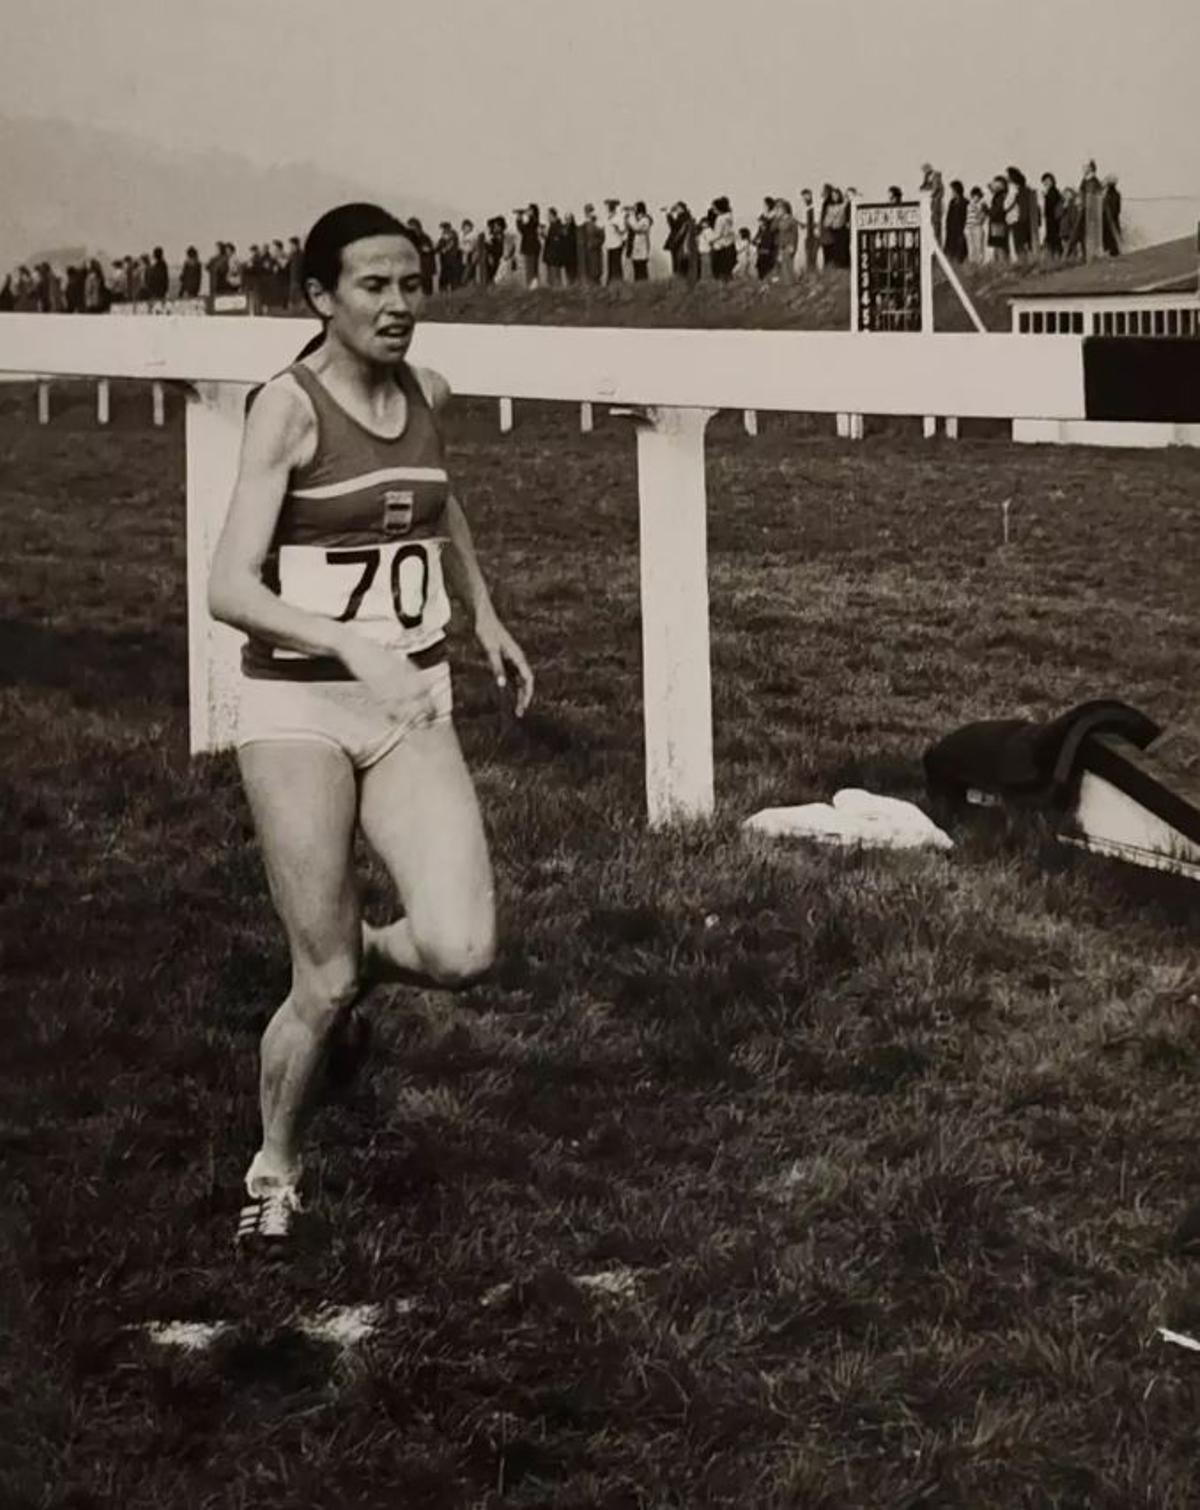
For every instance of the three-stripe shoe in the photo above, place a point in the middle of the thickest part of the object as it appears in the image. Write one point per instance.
(267, 1220)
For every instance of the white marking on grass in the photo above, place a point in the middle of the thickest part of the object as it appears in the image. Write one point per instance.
(1181, 1339)
(621, 1284)
(192, 1336)
(344, 1325)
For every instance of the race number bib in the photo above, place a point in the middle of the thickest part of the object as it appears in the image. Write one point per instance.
(393, 592)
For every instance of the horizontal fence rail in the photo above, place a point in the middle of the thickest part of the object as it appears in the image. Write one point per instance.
(970, 376)
(668, 382)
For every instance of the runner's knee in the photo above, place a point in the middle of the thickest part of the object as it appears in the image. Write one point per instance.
(454, 961)
(323, 993)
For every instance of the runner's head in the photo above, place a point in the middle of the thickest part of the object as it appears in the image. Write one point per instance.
(361, 274)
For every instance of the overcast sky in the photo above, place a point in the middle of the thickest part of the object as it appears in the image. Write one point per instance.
(489, 103)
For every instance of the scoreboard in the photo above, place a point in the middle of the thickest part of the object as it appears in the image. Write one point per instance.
(890, 268)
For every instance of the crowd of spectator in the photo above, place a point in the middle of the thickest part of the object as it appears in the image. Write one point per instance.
(1010, 219)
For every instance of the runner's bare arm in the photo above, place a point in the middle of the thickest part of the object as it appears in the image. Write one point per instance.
(466, 579)
(278, 429)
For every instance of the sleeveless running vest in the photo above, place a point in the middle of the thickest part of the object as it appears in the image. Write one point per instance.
(360, 534)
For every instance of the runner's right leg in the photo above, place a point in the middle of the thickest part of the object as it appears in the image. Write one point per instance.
(304, 798)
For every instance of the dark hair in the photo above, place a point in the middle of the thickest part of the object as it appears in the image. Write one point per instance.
(321, 259)
(956, 185)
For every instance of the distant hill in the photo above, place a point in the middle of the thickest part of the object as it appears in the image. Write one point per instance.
(63, 185)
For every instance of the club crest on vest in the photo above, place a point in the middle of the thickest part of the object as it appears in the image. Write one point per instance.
(397, 511)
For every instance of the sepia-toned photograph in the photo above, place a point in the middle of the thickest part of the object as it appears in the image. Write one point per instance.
(600, 755)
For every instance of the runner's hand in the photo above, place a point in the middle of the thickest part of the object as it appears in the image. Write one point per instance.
(389, 676)
(501, 650)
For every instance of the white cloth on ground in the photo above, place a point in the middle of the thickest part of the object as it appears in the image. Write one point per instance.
(854, 817)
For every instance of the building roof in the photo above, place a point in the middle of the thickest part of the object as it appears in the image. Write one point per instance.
(1168, 268)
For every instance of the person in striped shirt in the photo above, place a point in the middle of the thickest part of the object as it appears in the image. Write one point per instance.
(342, 536)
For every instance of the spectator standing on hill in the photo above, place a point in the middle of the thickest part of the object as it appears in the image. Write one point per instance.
(693, 226)
(295, 293)
(676, 236)
(956, 222)
(8, 298)
(766, 245)
(233, 268)
(190, 274)
(1091, 199)
(214, 267)
(49, 291)
(529, 231)
(280, 293)
(472, 249)
(25, 295)
(135, 269)
(1111, 208)
(977, 223)
(1070, 223)
(744, 254)
(824, 228)
(425, 251)
(1052, 208)
(839, 212)
(570, 249)
(591, 246)
(931, 184)
(640, 224)
(808, 223)
(704, 244)
(449, 258)
(788, 236)
(493, 248)
(264, 276)
(554, 251)
(95, 295)
(158, 277)
(73, 293)
(997, 237)
(508, 256)
(787, 231)
(614, 241)
(252, 278)
(1021, 213)
(724, 248)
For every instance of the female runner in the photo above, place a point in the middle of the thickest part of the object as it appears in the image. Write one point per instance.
(331, 561)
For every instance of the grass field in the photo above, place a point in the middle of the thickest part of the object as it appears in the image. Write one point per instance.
(880, 1155)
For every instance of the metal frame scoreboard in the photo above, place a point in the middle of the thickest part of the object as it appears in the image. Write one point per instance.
(891, 266)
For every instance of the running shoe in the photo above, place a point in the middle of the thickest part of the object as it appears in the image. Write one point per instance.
(267, 1220)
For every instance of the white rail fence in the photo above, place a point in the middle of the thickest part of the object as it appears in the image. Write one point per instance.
(669, 382)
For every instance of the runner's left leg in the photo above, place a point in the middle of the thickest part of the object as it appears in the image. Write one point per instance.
(419, 813)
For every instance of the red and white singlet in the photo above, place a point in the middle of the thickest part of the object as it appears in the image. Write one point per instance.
(360, 534)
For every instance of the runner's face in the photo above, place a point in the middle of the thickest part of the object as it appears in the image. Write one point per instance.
(374, 308)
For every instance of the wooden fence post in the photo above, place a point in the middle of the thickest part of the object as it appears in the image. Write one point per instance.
(213, 428)
(676, 675)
